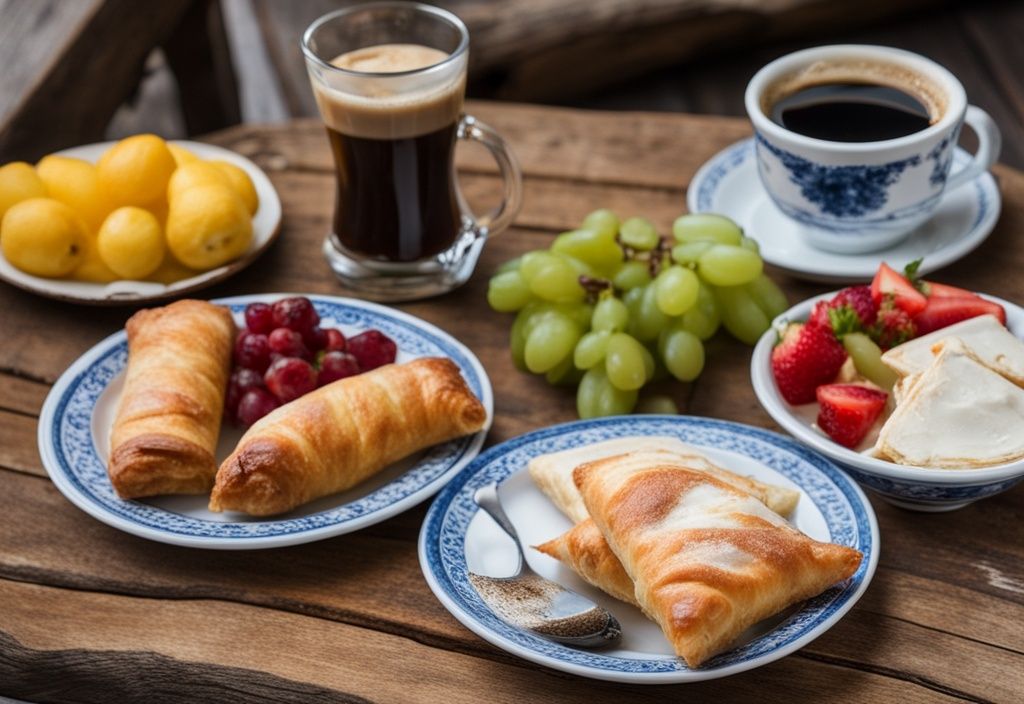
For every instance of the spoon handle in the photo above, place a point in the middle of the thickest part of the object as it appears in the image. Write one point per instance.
(486, 497)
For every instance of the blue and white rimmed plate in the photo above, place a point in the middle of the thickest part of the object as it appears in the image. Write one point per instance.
(728, 183)
(456, 538)
(74, 437)
(266, 225)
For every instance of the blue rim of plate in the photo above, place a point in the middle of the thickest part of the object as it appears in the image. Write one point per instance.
(700, 198)
(69, 453)
(846, 510)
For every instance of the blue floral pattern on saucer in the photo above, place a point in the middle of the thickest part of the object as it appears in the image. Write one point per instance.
(69, 453)
(845, 509)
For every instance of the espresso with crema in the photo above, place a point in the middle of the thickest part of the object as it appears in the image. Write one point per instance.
(393, 152)
(854, 101)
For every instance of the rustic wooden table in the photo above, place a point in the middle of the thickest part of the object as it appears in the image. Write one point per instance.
(89, 614)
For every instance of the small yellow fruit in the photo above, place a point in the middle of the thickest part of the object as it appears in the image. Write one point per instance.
(170, 270)
(181, 155)
(135, 171)
(18, 182)
(131, 243)
(241, 183)
(74, 183)
(42, 236)
(197, 174)
(92, 268)
(208, 226)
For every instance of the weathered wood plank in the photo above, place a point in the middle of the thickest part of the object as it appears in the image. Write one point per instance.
(21, 395)
(302, 649)
(17, 450)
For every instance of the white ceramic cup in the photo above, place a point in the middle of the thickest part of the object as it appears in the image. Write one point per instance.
(855, 197)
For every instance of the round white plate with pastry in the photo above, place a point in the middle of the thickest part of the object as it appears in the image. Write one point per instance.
(131, 433)
(266, 225)
(742, 545)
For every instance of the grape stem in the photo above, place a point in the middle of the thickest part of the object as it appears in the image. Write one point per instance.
(594, 286)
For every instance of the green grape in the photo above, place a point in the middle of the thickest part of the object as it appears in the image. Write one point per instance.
(638, 233)
(603, 221)
(517, 340)
(867, 357)
(532, 263)
(556, 281)
(662, 405)
(596, 396)
(564, 374)
(610, 314)
(726, 265)
(598, 249)
(578, 265)
(508, 292)
(650, 366)
(706, 227)
(689, 253)
(767, 296)
(751, 244)
(510, 265)
(550, 341)
(579, 313)
(740, 315)
(632, 275)
(624, 362)
(683, 354)
(647, 320)
(676, 290)
(591, 348)
(703, 319)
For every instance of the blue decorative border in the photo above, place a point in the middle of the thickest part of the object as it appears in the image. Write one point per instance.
(847, 515)
(80, 464)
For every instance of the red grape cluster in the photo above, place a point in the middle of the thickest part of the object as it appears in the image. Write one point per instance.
(283, 353)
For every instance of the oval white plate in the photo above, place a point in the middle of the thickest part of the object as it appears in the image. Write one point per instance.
(74, 436)
(800, 421)
(456, 537)
(728, 183)
(266, 224)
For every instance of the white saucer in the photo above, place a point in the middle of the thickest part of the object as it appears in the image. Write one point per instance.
(729, 184)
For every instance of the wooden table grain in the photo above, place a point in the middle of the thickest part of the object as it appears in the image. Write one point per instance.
(89, 614)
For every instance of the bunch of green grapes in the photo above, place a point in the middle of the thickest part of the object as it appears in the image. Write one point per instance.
(614, 305)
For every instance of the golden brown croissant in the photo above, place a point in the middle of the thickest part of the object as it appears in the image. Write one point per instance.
(337, 436)
(165, 435)
(707, 559)
(583, 547)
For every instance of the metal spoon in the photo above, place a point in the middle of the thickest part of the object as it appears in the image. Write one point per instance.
(527, 600)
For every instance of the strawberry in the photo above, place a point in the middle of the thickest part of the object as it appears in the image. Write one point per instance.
(936, 290)
(857, 299)
(888, 282)
(941, 312)
(847, 411)
(807, 355)
(893, 326)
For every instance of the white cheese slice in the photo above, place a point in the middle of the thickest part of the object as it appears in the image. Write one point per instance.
(959, 414)
(992, 343)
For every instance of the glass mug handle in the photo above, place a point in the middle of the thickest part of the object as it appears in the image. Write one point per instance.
(501, 216)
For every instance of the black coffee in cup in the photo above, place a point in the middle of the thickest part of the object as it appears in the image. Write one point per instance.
(395, 197)
(854, 102)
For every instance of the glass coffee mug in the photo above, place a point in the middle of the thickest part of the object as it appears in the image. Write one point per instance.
(389, 79)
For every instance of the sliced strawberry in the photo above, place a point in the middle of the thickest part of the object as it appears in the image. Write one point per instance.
(888, 282)
(935, 290)
(806, 356)
(848, 411)
(942, 312)
(857, 299)
(894, 326)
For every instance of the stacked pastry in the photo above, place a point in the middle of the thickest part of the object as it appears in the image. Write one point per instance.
(704, 552)
(165, 434)
(959, 401)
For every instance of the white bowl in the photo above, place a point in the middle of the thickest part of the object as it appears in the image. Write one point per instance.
(917, 488)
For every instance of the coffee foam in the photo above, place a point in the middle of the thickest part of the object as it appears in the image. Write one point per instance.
(384, 107)
(930, 95)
